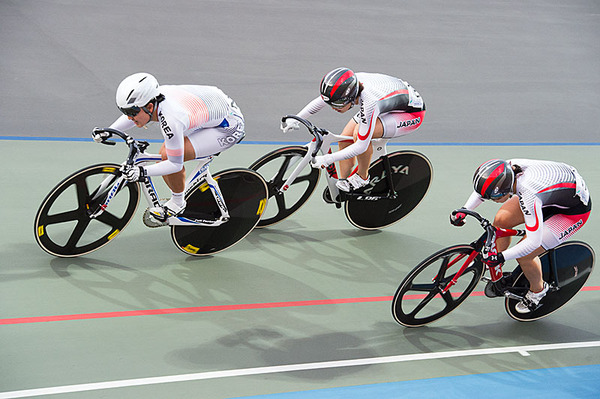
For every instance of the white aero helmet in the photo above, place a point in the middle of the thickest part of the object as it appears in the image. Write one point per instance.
(135, 91)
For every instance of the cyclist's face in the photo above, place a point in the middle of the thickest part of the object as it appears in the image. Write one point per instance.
(142, 118)
(343, 109)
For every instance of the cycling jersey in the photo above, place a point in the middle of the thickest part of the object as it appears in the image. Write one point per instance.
(381, 95)
(554, 200)
(207, 116)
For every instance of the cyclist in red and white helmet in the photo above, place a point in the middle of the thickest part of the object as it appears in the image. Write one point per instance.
(195, 121)
(551, 198)
(389, 107)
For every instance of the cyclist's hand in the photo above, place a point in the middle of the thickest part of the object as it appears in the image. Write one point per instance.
(99, 136)
(494, 260)
(290, 124)
(457, 219)
(133, 173)
(322, 161)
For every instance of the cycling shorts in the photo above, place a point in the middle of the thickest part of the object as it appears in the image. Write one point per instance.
(561, 224)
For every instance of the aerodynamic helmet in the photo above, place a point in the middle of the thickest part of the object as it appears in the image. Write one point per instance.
(135, 91)
(494, 179)
(339, 87)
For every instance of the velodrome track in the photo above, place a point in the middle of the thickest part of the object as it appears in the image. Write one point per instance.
(302, 309)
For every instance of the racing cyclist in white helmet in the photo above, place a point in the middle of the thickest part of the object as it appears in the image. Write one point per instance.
(195, 121)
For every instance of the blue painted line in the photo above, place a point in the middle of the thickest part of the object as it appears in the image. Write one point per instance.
(581, 382)
(283, 143)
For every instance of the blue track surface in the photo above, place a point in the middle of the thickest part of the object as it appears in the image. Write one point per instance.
(565, 382)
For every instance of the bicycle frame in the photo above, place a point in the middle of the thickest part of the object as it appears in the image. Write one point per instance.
(323, 145)
(200, 173)
(485, 243)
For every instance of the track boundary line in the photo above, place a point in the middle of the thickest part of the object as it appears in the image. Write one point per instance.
(521, 350)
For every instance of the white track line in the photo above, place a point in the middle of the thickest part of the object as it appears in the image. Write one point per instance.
(522, 350)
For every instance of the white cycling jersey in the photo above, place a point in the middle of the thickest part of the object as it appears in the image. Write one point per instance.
(207, 116)
(382, 94)
(554, 200)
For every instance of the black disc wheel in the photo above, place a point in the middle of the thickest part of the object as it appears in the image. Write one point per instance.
(245, 195)
(427, 293)
(276, 167)
(411, 176)
(63, 226)
(567, 268)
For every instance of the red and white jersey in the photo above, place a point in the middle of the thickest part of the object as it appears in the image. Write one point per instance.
(381, 94)
(185, 110)
(544, 188)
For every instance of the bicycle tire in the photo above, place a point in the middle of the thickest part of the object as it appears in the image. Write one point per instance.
(418, 299)
(275, 167)
(62, 224)
(245, 194)
(411, 175)
(575, 261)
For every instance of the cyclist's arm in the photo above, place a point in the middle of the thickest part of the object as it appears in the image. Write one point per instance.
(534, 223)
(312, 108)
(366, 127)
(473, 201)
(122, 123)
(174, 146)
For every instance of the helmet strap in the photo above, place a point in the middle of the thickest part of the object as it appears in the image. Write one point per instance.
(146, 110)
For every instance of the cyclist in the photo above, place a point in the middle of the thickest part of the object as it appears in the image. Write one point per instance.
(389, 107)
(551, 198)
(195, 121)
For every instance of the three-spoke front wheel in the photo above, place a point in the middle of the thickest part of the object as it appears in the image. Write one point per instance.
(63, 226)
(427, 294)
(276, 167)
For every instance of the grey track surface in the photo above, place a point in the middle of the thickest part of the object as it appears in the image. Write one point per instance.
(494, 71)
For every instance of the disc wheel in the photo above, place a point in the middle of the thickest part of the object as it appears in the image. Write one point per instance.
(411, 176)
(245, 195)
(573, 263)
(63, 226)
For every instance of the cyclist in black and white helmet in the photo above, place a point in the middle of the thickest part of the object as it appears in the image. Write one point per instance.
(195, 121)
(389, 107)
(550, 198)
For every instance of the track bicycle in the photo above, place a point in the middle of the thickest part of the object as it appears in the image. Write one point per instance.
(399, 181)
(90, 207)
(443, 281)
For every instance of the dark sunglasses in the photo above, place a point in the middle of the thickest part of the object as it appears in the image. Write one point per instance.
(131, 112)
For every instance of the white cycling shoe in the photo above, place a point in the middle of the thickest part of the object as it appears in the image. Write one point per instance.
(353, 182)
(532, 300)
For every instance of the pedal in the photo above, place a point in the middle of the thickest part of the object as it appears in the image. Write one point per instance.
(150, 221)
(327, 198)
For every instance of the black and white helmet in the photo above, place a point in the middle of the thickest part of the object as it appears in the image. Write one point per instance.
(339, 87)
(494, 179)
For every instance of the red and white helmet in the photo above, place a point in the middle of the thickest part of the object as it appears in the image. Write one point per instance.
(339, 87)
(494, 179)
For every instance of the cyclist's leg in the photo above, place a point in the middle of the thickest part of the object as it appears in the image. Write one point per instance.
(363, 160)
(508, 216)
(176, 181)
(532, 268)
(346, 165)
(395, 124)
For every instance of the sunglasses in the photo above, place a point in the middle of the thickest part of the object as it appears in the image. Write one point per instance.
(130, 112)
(339, 104)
